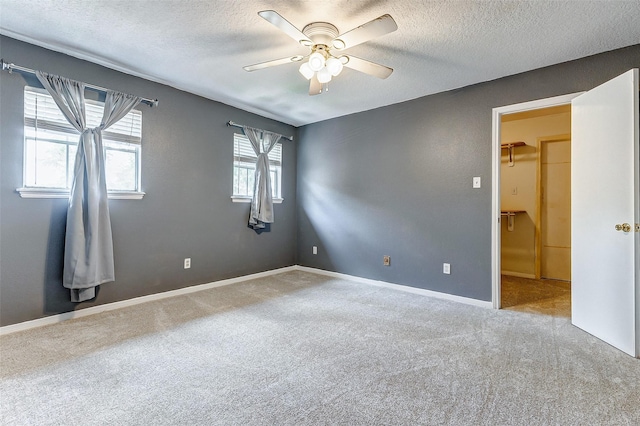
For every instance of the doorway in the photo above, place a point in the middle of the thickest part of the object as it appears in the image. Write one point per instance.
(536, 211)
(520, 138)
(605, 204)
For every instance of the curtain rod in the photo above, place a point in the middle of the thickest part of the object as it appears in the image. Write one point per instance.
(12, 67)
(231, 123)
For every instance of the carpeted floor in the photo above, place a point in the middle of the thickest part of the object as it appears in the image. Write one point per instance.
(304, 349)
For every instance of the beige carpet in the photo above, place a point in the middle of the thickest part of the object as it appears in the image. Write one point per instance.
(303, 349)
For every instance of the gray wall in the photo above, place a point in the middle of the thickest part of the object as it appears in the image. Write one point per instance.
(393, 181)
(187, 161)
(397, 180)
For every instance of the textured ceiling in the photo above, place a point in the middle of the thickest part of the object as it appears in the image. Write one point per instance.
(201, 46)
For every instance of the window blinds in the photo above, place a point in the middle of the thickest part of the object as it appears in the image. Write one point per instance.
(41, 112)
(243, 151)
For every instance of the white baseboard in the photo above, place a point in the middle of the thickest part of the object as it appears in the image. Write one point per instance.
(519, 274)
(405, 288)
(53, 319)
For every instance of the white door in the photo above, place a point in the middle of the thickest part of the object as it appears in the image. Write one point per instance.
(605, 183)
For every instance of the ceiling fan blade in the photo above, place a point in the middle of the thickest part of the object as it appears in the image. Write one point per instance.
(365, 32)
(273, 63)
(368, 67)
(315, 87)
(287, 27)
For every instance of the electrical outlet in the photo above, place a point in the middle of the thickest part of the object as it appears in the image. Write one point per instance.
(315, 250)
(187, 263)
(386, 260)
(446, 268)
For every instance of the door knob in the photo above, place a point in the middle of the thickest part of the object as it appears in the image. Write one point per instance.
(625, 227)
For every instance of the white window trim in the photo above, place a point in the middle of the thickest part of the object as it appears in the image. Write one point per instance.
(243, 199)
(44, 192)
(236, 198)
(65, 193)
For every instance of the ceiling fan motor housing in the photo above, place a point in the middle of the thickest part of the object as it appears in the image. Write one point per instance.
(320, 33)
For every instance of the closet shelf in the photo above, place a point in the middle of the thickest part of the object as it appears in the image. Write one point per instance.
(511, 218)
(510, 146)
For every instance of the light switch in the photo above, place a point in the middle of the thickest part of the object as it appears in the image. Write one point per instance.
(477, 182)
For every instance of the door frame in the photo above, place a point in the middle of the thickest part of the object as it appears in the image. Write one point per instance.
(496, 150)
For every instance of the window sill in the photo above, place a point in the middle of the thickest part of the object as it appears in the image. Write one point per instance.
(63, 193)
(241, 199)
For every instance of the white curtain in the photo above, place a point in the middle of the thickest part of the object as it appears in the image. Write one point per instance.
(88, 251)
(262, 202)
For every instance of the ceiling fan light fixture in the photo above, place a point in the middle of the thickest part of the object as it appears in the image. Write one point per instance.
(320, 65)
(306, 71)
(334, 66)
(324, 75)
(316, 61)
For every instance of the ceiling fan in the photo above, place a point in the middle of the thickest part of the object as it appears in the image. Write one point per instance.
(324, 60)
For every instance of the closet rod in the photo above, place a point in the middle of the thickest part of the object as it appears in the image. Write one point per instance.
(12, 67)
(234, 124)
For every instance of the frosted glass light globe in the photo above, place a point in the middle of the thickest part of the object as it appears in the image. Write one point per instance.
(306, 71)
(324, 76)
(316, 61)
(334, 66)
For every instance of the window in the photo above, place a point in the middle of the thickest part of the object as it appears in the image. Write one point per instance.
(50, 146)
(244, 166)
